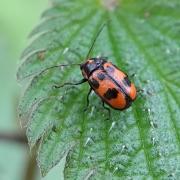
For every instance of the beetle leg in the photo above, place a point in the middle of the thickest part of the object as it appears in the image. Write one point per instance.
(109, 111)
(90, 90)
(69, 83)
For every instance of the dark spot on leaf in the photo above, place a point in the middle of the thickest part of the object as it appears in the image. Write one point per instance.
(100, 76)
(41, 55)
(94, 83)
(111, 94)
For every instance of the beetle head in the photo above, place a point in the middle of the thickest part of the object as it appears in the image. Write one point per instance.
(91, 65)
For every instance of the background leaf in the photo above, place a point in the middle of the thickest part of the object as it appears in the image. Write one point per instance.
(142, 37)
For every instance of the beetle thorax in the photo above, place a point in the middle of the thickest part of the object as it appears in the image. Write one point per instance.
(90, 66)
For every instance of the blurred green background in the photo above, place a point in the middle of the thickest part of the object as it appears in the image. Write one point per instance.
(17, 19)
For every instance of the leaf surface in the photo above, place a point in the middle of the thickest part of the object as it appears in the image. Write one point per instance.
(142, 38)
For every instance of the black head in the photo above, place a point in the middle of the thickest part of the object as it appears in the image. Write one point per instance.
(91, 65)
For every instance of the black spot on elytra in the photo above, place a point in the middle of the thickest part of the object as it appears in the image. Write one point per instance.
(100, 76)
(127, 81)
(94, 83)
(128, 101)
(110, 69)
(111, 94)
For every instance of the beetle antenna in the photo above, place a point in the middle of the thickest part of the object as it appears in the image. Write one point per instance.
(51, 67)
(97, 35)
(61, 65)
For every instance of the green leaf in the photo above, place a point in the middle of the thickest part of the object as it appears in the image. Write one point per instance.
(141, 37)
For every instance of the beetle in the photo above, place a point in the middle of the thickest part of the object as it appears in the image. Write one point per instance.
(110, 83)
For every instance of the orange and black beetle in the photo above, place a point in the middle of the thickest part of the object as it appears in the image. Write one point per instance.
(109, 83)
